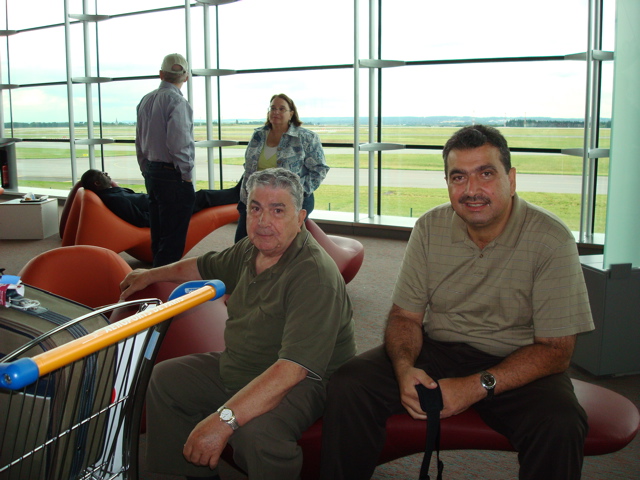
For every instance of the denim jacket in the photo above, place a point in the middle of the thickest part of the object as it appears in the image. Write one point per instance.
(300, 151)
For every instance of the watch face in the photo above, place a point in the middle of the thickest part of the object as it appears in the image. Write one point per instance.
(488, 380)
(226, 414)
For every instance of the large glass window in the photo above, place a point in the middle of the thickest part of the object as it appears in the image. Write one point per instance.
(419, 30)
(37, 56)
(467, 62)
(135, 45)
(521, 94)
(321, 96)
(21, 15)
(255, 34)
(115, 7)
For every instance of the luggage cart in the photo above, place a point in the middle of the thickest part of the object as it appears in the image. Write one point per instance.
(73, 412)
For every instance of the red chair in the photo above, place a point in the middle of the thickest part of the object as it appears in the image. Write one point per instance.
(346, 252)
(85, 220)
(66, 208)
(86, 274)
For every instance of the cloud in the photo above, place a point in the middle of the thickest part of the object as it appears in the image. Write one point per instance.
(252, 36)
(39, 105)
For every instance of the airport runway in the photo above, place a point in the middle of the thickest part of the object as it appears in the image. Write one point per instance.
(125, 170)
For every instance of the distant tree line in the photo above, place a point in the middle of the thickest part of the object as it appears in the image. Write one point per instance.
(428, 121)
(40, 124)
(521, 122)
(84, 124)
(56, 124)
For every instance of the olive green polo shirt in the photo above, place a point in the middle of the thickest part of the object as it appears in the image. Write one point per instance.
(297, 310)
(527, 282)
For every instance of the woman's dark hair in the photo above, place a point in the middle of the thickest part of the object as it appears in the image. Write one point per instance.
(295, 119)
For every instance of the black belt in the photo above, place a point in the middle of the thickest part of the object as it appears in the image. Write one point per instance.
(166, 166)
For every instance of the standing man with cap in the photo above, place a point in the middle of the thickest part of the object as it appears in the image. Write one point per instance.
(166, 151)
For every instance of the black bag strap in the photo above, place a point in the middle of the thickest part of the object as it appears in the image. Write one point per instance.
(431, 404)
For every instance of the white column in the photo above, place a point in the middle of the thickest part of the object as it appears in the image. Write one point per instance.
(622, 241)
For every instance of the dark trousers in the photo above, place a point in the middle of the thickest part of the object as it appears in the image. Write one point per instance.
(171, 202)
(214, 198)
(241, 231)
(185, 390)
(543, 420)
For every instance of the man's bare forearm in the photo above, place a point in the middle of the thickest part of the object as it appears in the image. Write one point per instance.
(403, 337)
(183, 271)
(266, 391)
(546, 356)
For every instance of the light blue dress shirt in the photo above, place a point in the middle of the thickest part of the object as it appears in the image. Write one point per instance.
(164, 132)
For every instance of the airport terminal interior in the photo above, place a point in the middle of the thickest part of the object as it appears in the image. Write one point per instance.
(384, 84)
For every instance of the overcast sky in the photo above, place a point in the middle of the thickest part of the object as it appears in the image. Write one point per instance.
(282, 33)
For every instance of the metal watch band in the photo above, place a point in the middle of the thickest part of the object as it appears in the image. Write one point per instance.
(232, 422)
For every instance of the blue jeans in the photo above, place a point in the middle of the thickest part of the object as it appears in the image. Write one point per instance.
(170, 205)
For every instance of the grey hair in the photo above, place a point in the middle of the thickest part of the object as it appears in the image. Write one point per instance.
(278, 178)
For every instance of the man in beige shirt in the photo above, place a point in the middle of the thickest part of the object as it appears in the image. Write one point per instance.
(486, 307)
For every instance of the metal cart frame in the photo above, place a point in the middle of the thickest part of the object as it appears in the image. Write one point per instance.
(47, 433)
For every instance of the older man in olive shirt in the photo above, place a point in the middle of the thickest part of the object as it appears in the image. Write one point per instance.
(290, 327)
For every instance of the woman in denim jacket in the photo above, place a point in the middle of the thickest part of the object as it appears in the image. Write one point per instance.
(282, 142)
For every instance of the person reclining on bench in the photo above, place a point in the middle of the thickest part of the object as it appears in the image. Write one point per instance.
(133, 207)
(488, 303)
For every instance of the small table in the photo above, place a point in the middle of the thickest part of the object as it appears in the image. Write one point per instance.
(28, 220)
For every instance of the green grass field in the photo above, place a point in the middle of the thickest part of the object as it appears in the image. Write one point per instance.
(403, 202)
(407, 135)
(413, 202)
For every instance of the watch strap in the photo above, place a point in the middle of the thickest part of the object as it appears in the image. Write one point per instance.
(431, 404)
(489, 393)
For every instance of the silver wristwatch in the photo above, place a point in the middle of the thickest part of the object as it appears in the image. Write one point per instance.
(227, 416)
(488, 381)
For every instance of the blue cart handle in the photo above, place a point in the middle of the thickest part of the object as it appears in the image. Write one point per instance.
(188, 287)
(18, 374)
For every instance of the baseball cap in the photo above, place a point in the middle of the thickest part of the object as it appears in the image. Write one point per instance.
(174, 59)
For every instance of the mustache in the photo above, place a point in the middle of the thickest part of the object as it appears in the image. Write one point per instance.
(473, 199)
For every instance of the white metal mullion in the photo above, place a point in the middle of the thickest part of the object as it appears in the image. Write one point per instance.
(356, 116)
(207, 91)
(88, 87)
(372, 109)
(72, 130)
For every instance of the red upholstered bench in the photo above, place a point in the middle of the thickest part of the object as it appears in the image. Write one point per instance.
(613, 419)
(346, 252)
(613, 423)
